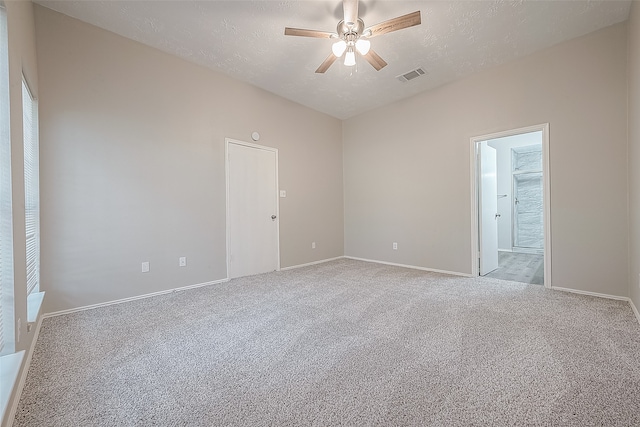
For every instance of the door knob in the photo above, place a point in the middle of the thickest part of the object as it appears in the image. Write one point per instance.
(273, 217)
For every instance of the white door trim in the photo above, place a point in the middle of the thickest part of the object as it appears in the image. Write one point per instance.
(544, 128)
(228, 141)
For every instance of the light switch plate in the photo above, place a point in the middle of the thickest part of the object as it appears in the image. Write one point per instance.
(283, 193)
(145, 267)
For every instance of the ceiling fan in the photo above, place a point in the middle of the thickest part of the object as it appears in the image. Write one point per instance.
(352, 36)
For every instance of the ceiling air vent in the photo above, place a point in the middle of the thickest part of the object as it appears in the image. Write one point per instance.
(411, 75)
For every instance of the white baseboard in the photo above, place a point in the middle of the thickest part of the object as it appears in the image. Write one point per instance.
(635, 310)
(322, 261)
(593, 294)
(433, 270)
(517, 250)
(599, 295)
(23, 377)
(120, 301)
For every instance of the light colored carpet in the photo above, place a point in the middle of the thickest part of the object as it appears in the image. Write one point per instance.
(341, 343)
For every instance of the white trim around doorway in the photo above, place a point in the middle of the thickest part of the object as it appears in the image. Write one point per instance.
(544, 128)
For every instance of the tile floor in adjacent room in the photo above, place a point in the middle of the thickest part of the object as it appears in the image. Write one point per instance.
(519, 267)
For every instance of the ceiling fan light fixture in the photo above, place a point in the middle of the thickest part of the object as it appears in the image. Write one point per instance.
(352, 36)
(338, 48)
(350, 58)
(363, 46)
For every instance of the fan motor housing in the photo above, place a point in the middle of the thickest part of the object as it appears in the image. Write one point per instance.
(343, 29)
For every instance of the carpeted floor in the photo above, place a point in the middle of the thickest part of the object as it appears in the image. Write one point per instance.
(341, 343)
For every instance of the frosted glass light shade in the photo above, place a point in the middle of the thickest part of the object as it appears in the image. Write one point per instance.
(350, 58)
(363, 46)
(338, 48)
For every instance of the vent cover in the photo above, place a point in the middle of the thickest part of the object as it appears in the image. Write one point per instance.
(411, 75)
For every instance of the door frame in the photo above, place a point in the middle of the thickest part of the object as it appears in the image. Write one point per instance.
(475, 170)
(228, 141)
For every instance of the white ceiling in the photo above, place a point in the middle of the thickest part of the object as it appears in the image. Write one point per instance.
(245, 39)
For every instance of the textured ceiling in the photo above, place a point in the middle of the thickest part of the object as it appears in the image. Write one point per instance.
(245, 39)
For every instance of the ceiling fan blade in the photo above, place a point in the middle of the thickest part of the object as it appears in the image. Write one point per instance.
(350, 11)
(395, 24)
(327, 63)
(375, 60)
(307, 33)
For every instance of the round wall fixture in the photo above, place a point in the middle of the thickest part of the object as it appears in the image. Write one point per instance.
(255, 136)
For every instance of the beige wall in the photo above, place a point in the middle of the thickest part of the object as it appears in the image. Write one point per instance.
(157, 126)
(407, 165)
(22, 59)
(132, 166)
(634, 154)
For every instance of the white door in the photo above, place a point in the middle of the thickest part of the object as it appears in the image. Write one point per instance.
(488, 209)
(252, 210)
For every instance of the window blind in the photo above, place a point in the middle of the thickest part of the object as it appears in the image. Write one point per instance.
(31, 187)
(6, 232)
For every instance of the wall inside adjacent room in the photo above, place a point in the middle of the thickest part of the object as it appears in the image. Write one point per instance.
(407, 166)
(133, 166)
(504, 153)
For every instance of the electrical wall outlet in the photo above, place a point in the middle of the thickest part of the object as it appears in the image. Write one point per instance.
(182, 261)
(313, 245)
(145, 267)
(395, 246)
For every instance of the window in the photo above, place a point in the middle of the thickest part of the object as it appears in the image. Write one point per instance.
(6, 233)
(31, 187)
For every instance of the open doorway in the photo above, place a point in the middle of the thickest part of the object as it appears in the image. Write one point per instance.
(511, 205)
